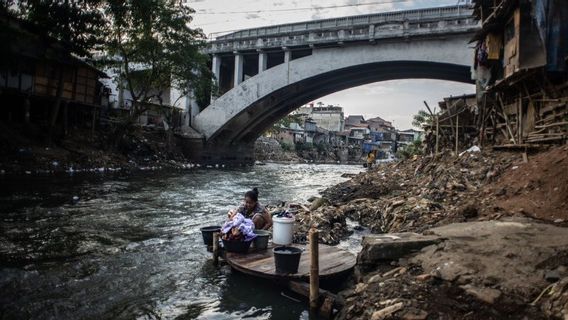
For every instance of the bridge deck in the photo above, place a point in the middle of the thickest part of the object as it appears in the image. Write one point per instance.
(333, 262)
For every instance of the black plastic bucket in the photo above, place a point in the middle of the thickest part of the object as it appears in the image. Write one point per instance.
(236, 246)
(261, 240)
(287, 259)
(207, 233)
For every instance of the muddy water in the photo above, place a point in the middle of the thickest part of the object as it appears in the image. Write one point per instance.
(114, 247)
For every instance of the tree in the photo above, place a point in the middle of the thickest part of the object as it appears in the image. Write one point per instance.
(152, 48)
(284, 123)
(422, 119)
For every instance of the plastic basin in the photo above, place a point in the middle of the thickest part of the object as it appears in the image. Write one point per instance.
(236, 246)
(261, 240)
(207, 234)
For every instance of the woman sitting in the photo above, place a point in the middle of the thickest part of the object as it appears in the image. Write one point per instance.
(253, 210)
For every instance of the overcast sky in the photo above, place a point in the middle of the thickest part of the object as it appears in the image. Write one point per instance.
(395, 100)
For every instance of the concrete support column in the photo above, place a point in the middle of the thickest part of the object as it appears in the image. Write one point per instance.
(216, 69)
(239, 62)
(186, 122)
(262, 59)
(287, 55)
(193, 108)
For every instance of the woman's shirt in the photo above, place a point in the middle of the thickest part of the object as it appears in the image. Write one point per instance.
(258, 209)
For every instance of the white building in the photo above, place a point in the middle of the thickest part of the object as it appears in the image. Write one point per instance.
(121, 98)
(330, 118)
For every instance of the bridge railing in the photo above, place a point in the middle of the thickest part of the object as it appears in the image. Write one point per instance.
(385, 17)
(361, 32)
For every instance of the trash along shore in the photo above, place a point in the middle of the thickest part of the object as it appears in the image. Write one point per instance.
(481, 235)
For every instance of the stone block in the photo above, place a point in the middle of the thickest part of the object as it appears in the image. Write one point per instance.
(392, 246)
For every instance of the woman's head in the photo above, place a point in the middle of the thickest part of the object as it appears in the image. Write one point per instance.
(251, 198)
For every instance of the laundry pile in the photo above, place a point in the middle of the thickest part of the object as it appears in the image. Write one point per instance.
(238, 228)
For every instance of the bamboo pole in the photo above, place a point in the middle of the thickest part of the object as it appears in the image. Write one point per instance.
(457, 132)
(216, 248)
(314, 270)
(437, 135)
(428, 107)
(506, 119)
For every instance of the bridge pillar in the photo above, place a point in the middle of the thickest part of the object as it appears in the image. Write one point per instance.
(372, 33)
(262, 59)
(287, 55)
(216, 69)
(192, 108)
(239, 64)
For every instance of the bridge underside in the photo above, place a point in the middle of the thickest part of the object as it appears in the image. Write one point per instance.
(243, 129)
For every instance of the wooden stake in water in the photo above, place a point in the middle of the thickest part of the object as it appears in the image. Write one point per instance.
(314, 270)
(216, 248)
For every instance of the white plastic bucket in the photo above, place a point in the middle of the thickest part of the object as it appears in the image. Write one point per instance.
(283, 231)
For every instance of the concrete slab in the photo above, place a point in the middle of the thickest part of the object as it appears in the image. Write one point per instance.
(393, 246)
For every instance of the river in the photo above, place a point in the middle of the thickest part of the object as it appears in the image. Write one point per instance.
(129, 247)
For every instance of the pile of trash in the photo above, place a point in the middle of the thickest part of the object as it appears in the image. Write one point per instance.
(330, 222)
(419, 193)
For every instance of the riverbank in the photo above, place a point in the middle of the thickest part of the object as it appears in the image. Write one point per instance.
(270, 150)
(424, 193)
(82, 151)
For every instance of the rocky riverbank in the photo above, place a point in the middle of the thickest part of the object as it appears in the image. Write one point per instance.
(464, 275)
(270, 150)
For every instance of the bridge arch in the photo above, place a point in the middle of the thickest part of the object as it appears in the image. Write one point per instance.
(247, 126)
(244, 112)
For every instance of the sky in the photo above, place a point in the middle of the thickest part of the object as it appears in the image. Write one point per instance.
(395, 100)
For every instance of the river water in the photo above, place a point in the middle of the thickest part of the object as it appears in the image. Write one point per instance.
(129, 247)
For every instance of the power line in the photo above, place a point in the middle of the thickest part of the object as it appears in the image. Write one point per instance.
(305, 8)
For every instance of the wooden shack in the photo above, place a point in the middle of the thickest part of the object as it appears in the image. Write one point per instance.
(522, 71)
(29, 77)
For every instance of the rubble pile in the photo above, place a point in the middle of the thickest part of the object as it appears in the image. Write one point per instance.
(269, 149)
(556, 300)
(144, 150)
(407, 292)
(486, 267)
(331, 223)
(510, 268)
(417, 194)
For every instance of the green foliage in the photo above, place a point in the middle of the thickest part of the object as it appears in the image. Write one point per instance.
(149, 43)
(285, 146)
(154, 35)
(285, 123)
(304, 147)
(322, 147)
(78, 25)
(422, 118)
(415, 148)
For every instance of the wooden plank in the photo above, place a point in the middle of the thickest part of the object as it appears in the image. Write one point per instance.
(333, 261)
(563, 123)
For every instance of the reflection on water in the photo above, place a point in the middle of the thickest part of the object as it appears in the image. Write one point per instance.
(129, 247)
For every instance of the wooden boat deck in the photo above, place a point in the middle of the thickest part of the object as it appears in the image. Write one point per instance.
(333, 262)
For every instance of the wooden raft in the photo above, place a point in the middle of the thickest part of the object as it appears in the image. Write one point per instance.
(333, 262)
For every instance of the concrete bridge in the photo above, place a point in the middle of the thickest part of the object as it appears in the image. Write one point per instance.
(265, 73)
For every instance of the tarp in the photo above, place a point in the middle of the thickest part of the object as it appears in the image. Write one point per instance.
(551, 17)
